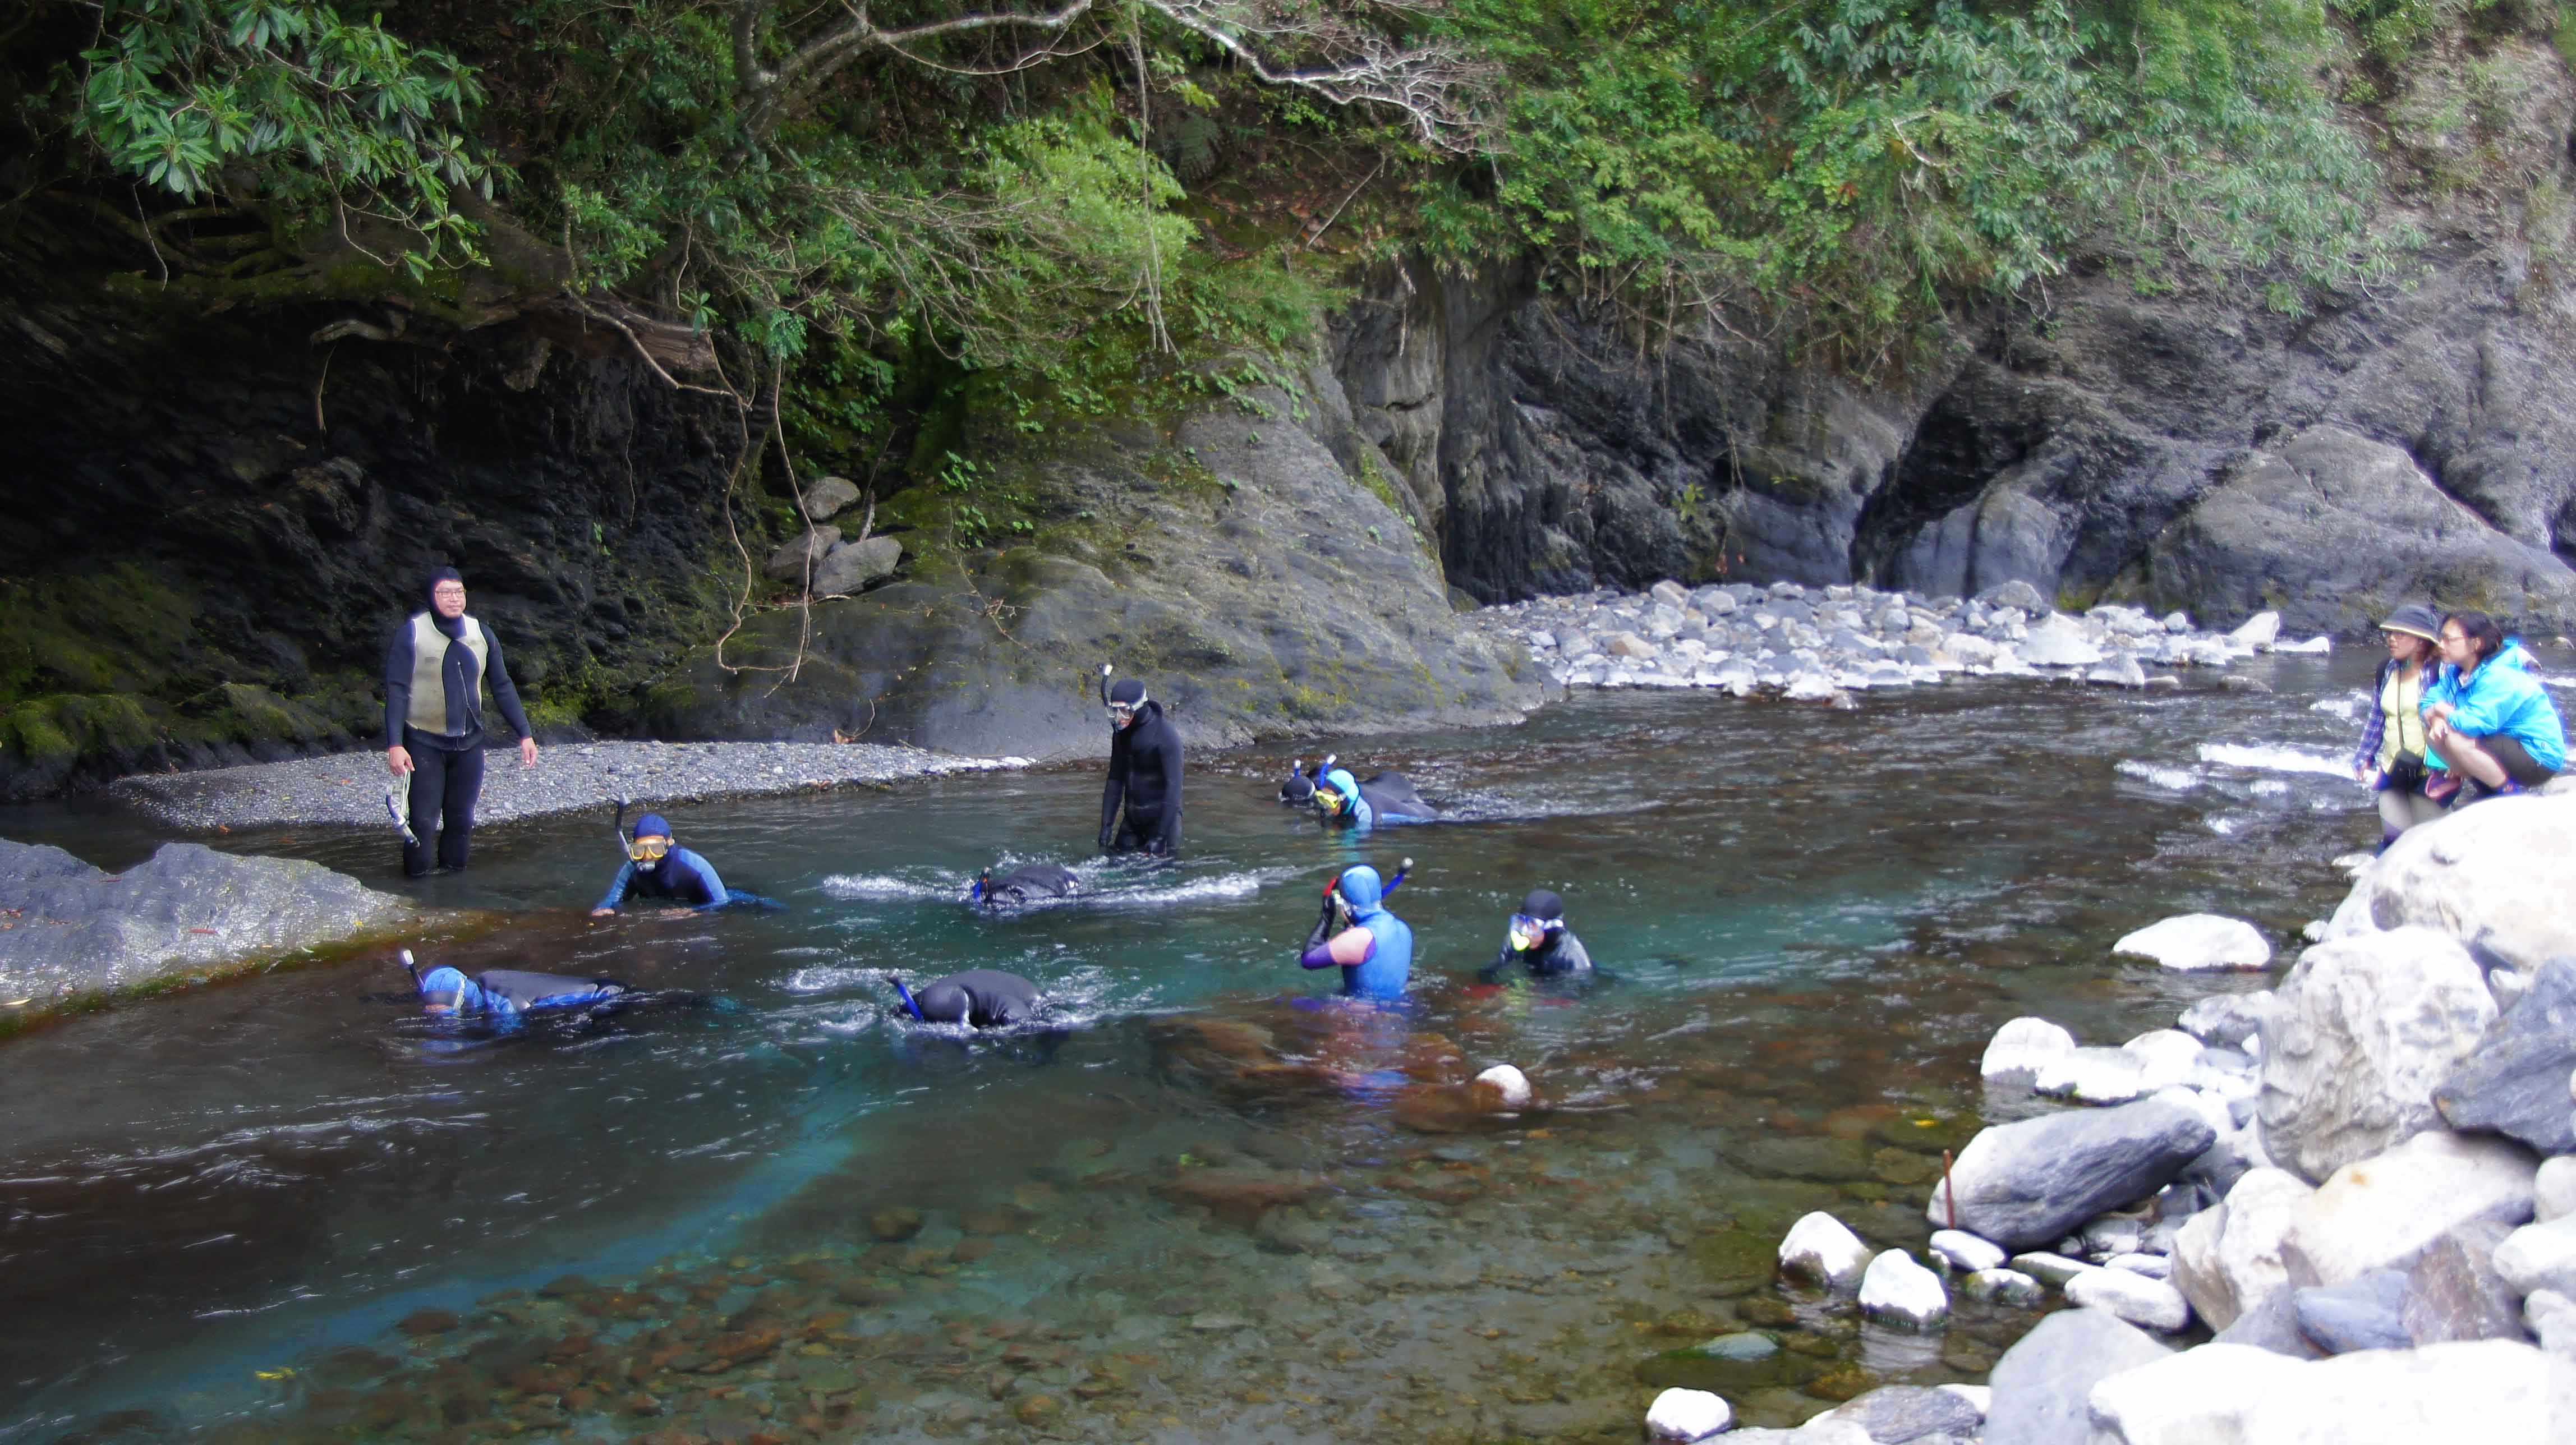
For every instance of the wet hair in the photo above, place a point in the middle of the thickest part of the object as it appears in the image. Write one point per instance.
(2486, 639)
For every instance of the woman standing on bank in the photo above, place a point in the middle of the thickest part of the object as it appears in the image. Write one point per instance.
(2390, 759)
(436, 666)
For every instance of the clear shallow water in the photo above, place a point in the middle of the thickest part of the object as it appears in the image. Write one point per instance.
(1206, 1201)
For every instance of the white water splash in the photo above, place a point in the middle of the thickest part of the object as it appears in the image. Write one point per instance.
(2271, 758)
(833, 978)
(1223, 885)
(2269, 788)
(2180, 780)
(2347, 708)
(888, 885)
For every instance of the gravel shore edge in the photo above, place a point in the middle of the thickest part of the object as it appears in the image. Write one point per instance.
(350, 788)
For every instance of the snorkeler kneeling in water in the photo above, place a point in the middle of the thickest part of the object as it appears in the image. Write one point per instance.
(1539, 941)
(505, 993)
(1024, 884)
(679, 877)
(982, 997)
(1373, 947)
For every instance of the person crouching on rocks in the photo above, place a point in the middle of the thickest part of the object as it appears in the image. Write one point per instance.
(2391, 758)
(1372, 947)
(436, 666)
(2487, 717)
(657, 870)
(1539, 941)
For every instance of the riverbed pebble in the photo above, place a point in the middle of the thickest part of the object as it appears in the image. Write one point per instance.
(350, 788)
(1966, 1252)
(1821, 1248)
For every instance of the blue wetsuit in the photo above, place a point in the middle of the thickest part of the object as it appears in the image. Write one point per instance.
(1385, 798)
(1376, 952)
(508, 993)
(681, 876)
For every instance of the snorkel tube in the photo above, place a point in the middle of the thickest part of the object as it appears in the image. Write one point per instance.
(1398, 880)
(977, 892)
(402, 824)
(906, 995)
(412, 967)
(617, 826)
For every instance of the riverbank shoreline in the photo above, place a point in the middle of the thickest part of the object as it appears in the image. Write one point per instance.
(349, 788)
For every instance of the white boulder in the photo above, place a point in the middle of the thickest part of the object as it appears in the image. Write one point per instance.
(2150, 1304)
(2196, 1396)
(2363, 1031)
(2497, 877)
(1506, 1087)
(2198, 941)
(2024, 1047)
(2058, 642)
(1820, 1248)
(1967, 1252)
(2092, 1076)
(2384, 1211)
(2540, 1257)
(1679, 1414)
(2228, 1258)
(2165, 1057)
(1897, 1291)
(2258, 631)
(2553, 1189)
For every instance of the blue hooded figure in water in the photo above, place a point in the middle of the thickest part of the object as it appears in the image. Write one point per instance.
(1345, 801)
(656, 869)
(505, 995)
(1373, 947)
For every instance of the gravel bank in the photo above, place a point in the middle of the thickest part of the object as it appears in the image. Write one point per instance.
(350, 787)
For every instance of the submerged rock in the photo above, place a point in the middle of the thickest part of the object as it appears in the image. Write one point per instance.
(188, 911)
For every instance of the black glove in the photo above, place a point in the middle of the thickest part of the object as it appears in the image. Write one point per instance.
(1158, 847)
(1107, 833)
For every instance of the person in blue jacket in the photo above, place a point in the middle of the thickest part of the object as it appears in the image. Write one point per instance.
(655, 869)
(2488, 718)
(1372, 947)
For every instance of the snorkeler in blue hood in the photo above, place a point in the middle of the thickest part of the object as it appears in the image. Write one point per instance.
(677, 877)
(1373, 947)
(505, 994)
(1345, 801)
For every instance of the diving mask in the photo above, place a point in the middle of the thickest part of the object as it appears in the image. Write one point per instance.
(1330, 800)
(648, 849)
(1528, 933)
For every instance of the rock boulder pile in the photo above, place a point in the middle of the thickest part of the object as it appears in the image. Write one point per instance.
(1817, 644)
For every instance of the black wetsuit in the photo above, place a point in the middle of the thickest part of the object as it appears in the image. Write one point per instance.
(447, 767)
(1145, 775)
(1029, 880)
(984, 997)
(1562, 954)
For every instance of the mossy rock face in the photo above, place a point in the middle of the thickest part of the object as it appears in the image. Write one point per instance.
(1256, 587)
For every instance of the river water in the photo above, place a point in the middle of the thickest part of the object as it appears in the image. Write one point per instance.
(1208, 1203)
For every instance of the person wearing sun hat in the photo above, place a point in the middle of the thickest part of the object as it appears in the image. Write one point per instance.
(2391, 757)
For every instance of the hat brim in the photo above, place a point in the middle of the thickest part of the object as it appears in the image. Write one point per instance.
(2404, 630)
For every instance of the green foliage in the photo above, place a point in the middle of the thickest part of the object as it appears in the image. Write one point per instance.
(1852, 164)
(283, 99)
